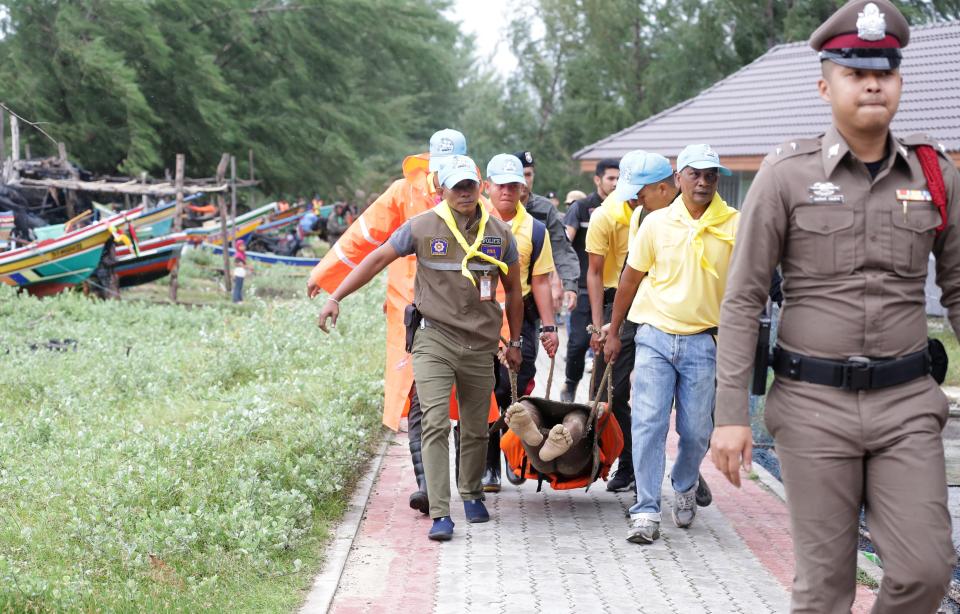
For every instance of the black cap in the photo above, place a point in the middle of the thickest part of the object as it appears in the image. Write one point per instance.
(526, 158)
(865, 34)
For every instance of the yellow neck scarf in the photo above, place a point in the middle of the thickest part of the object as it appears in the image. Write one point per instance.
(472, 251)
(618, 210)
(518, 219)
(718, 212)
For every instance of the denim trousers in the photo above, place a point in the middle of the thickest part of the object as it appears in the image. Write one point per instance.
(670, 370)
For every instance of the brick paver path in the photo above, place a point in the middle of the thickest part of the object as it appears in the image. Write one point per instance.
(565, 551)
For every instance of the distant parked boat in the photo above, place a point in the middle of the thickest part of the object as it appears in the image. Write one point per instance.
(50, 265)
(269, 258)
(149, 259)
(244, 225)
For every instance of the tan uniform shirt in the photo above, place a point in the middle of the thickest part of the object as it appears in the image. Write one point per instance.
(447, 299)
(854, 259)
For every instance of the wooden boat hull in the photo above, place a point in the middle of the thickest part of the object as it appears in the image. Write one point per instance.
(155, 260)
(268, 258)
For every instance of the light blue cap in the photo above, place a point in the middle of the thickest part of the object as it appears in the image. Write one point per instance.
(443, 145)
(699, 157)
(456, 169)
(505, 168)
(640, 168)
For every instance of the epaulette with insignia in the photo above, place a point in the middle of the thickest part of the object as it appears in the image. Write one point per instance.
(920, 138)
(792, 148)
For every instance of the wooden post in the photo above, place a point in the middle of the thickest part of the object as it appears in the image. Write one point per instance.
(250, 194)
(222, 206)
(233, 198)
(3, 135)
(177, 225)
(26, 150)
(71, 195)
(14, 138)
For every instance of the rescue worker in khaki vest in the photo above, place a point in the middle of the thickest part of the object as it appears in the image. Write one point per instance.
(504, 181)
(461, 254)
(851, 216)
(416, 192)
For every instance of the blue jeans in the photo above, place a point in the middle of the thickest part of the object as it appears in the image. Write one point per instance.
(670, 369)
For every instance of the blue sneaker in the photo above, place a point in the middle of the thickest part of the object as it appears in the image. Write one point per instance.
(476, 511)
(442, 529)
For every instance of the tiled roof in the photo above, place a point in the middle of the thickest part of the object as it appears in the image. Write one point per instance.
(774, 99)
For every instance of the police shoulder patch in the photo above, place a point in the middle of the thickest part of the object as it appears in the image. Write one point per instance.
(492, 241)
(494, 251)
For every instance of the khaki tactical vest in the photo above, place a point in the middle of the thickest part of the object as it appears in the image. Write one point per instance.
(445, 297)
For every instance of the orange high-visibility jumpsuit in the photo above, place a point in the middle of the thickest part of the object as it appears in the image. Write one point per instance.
(404, 199)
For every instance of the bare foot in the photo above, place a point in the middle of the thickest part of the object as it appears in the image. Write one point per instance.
(558, 441)
(520, 422)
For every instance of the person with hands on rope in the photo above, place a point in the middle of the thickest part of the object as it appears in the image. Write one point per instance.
(504, 183)
(674, 277)
(462, 252)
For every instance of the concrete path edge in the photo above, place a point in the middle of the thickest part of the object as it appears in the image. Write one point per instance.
(325, 584)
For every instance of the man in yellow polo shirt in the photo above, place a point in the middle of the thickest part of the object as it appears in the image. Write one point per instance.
(505, 181)
(678, 260)
(606, 247)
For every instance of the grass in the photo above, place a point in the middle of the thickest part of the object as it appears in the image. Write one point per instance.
(179, 458)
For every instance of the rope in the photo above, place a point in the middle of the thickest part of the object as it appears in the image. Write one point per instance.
(513, 386)
(553, 360)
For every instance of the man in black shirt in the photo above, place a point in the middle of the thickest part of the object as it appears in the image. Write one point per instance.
(576, 221)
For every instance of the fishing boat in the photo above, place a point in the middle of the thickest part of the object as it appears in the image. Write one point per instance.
(245, 224)
(48, 266)
(147, 260)
(268, 258)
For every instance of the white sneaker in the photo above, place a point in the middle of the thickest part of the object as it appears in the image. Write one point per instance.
(643, 531)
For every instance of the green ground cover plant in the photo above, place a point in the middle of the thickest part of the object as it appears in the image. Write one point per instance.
(177, 457)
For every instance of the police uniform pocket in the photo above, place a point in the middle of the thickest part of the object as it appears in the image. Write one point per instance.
(823, 243)
(912, 238)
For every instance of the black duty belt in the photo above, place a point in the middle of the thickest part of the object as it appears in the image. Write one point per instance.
(855, 373)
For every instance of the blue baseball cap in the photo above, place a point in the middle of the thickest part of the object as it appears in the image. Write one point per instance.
(443, 145)
(505, 168)
(456, 169)
(699, 157)
(640, 168)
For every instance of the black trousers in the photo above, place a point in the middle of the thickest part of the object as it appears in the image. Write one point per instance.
(620, 374)
(528, 370)
(578, 341)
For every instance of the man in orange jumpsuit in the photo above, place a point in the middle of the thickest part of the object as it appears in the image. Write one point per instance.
(415, 193)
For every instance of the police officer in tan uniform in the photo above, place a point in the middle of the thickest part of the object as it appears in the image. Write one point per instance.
(462, 253)
(856, 417)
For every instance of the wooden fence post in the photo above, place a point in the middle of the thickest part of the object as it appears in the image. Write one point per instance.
(222, 206)
(71, 195)
(233, 198)
(14, 138)
(177, 225)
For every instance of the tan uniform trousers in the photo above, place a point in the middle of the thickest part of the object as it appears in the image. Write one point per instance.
(438, 364)
(880, 447)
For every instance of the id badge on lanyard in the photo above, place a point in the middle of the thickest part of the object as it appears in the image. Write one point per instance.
(486, 287)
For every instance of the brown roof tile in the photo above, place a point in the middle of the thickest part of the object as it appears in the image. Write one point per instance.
(775, 98)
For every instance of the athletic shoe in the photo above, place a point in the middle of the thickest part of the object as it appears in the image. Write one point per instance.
(643, 531)
(491, 480)
(475, 511)
(622, 480)
(442, 529)
(704, 496)
(684, 508)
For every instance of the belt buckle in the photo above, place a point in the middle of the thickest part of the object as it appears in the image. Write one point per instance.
(857, 372)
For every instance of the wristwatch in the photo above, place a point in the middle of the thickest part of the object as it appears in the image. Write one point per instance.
(548, 329)
(515, 344)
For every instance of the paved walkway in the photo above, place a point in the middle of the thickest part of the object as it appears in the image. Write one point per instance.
(565, 551)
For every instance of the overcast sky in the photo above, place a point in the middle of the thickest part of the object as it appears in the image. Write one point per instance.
(487, 20)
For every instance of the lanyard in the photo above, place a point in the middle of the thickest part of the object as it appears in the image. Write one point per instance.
(443, 210)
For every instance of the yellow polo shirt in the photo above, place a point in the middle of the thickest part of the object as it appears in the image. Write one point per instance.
(679, 296)
(608, 235)
(523, 233)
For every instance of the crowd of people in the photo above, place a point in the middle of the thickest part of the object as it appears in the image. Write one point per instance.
(664, 281)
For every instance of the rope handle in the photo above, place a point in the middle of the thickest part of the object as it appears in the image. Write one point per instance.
(553, 360)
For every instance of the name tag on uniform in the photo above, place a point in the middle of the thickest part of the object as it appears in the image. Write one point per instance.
(824, 192)
(914, 196)
(486, 287)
